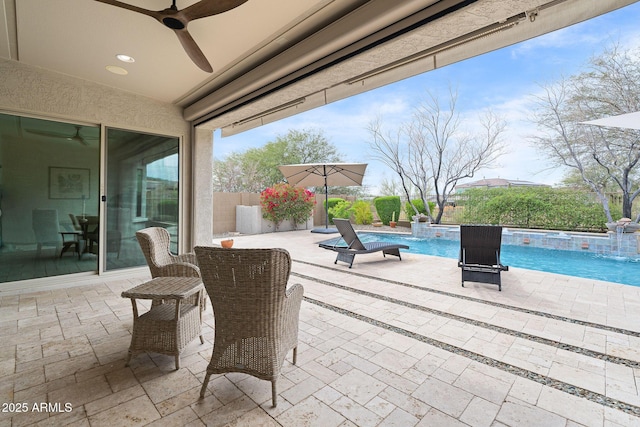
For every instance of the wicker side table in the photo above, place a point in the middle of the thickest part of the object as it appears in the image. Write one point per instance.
(166, 328)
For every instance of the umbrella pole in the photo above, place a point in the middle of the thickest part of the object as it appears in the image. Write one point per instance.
(326, 203)
(326, 229)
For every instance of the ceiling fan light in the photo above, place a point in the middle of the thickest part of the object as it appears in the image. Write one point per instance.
(117, 70)
(125, 58)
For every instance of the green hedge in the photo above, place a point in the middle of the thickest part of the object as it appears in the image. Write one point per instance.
(420, 206)
(538, 207)
(332, 201)
(342, 209)
(386, 206)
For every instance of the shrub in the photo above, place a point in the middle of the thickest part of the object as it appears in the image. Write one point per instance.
(386, 206)
(420, 206)
(332, 201)
(362, 212)
(549, 208)
(284, 201)
(522, 209)
(342, 209)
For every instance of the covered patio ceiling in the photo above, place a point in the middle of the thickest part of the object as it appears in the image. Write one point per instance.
(272, 59)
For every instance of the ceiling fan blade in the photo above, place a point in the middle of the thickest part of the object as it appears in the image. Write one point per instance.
(177, 20)
(127, 6)
(191, 47)
(49, 134)
(78, 137)
(206, 8)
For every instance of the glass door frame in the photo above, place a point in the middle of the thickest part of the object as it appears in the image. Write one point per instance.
(183, 169)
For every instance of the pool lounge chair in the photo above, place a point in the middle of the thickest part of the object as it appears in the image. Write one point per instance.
(354, 246)
(480, 254)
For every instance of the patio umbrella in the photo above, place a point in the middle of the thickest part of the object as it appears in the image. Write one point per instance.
(327, 174)
(625, 121)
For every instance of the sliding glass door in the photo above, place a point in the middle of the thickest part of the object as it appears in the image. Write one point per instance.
(49, 177)
(141, 191)
(54, 218)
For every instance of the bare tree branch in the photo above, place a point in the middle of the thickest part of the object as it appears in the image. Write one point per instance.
(432, 150)
(609, 86)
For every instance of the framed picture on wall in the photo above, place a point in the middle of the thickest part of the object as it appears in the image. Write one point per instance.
(68, 183)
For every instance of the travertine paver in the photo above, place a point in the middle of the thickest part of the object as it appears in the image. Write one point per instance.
(399, 418)
(518, 413)
(428, 352)
(358, 386)
(571, 368)
(447, 398)
(485, 386)
(310, 412)
(480, 412)
(583, 411)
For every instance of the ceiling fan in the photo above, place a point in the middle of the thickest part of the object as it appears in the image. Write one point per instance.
(177, 20)
(75, 137)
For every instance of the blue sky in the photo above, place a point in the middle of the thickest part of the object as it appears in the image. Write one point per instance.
(504, 80)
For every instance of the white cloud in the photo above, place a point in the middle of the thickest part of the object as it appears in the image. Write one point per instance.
(560, 39)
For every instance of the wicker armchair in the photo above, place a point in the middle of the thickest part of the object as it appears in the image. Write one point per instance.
(155, 242)
(256, 315)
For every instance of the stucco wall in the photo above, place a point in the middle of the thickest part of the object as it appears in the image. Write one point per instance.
(224, 209)
(33, 91)
(52, 95)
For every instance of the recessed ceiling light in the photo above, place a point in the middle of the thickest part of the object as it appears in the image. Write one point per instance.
(117, 70)
(125, 58)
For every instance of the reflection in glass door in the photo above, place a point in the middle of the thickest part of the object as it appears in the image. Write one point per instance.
(141, 191)
(49, 178)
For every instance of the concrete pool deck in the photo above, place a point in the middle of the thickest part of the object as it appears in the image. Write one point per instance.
(385, 343)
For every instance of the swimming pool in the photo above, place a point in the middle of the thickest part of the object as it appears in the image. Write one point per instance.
(572, 263)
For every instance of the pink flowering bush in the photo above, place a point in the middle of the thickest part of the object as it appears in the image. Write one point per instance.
(284, 201)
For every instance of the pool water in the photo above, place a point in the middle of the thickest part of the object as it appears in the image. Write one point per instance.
(572, 263)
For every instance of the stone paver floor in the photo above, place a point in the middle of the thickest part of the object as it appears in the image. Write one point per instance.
(386, 343)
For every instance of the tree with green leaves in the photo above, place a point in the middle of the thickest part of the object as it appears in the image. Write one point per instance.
(236, 174)
(602, 157)
(257, 168)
